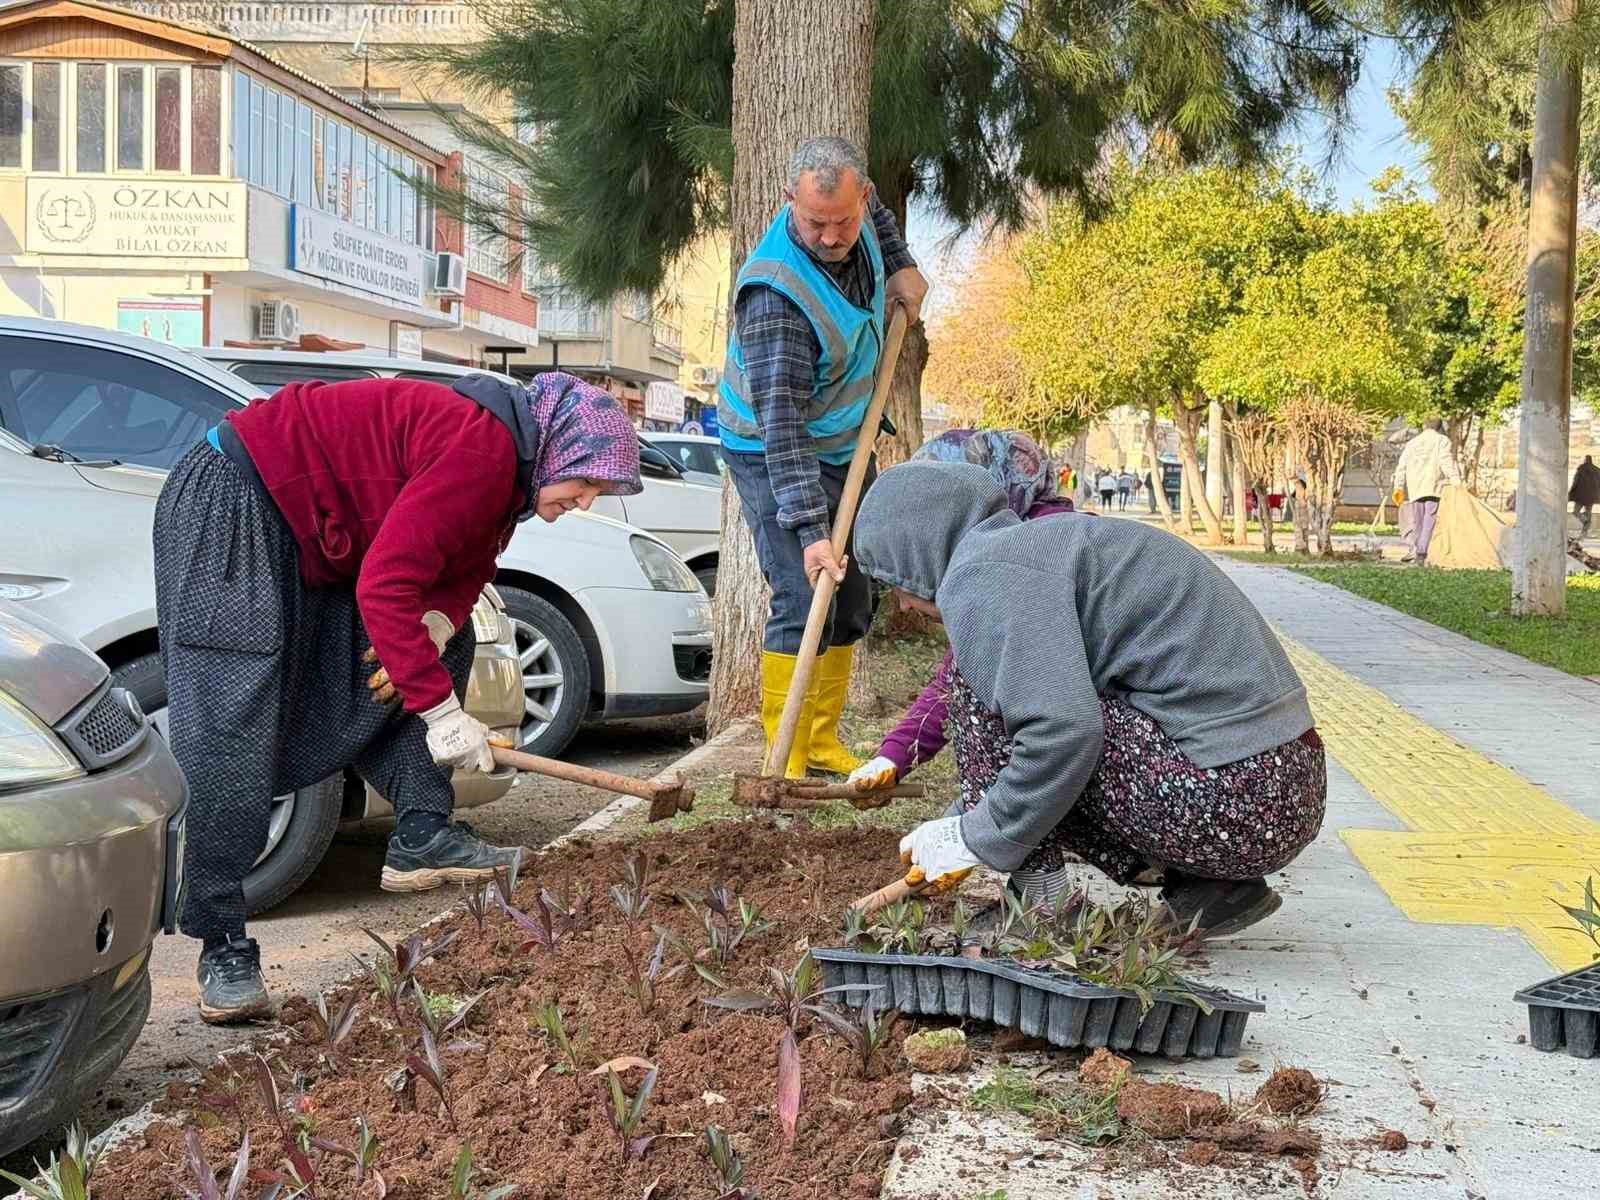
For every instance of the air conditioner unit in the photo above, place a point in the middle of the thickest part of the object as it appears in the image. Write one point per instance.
(449, 275)
(706, 376)
(277, 321)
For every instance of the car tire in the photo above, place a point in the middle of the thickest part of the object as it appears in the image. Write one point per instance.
(556, 681)
(708, 579)
(299, 849)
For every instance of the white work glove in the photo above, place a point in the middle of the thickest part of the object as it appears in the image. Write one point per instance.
(458, 739)
(440, 630)
(935, 851)
(874, 776)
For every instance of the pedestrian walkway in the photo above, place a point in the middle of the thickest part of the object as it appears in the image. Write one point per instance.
(1462, 786)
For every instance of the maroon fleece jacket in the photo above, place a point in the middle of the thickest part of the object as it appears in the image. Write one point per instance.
(402, 488)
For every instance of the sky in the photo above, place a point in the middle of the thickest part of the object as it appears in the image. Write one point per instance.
(1375, 141)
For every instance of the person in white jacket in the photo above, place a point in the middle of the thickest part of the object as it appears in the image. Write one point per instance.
(1426, 465)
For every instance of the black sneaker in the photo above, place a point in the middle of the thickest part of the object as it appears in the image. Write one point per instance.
(1224, 906)
(456, 854)
(231, 987)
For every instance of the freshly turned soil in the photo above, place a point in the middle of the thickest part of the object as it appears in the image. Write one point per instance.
(1103, 1072)
(1393, 1140)
(1200, 1154)
(1168, 1110)
(529, 1119)
(1291, 1091)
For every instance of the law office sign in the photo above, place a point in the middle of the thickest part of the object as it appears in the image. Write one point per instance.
(135, 217)
(345, 253)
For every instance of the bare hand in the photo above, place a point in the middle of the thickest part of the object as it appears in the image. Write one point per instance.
(819, 558)
(906, 287)
(383, 690)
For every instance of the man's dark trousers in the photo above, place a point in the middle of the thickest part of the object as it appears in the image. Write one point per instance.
(783, 559)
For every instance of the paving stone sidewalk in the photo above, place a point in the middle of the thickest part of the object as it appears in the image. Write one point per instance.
(1470, 782)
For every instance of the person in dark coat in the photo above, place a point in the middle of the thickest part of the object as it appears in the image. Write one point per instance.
(1114, 697)
(1585, 492)
(319, 551)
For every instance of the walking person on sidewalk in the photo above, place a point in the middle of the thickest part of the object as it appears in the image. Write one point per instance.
(1114, 695)
(1016, 463)
(1585, 493)
(810, 316)
(1124, 486)
(1106, 485)
(1426, 465)
(317, 556)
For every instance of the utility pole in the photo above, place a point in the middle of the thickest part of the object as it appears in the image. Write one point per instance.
(1539, 568)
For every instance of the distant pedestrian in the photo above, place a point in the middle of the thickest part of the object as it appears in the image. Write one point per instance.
(1106, 485)
(1124, 486)
(1585, 493)
(1425, 466)
(1150, 492)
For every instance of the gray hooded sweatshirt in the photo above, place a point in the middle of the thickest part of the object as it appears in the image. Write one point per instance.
(1046, 616)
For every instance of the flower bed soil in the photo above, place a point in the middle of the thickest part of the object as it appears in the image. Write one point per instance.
(533, 1124)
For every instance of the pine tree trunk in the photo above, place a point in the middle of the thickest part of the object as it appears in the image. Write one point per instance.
(794, 76)
(1188, 422)
(1236, 474)
(1539, 561)
(1158, 488)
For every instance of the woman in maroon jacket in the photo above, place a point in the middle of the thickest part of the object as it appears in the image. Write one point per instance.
(309, 536)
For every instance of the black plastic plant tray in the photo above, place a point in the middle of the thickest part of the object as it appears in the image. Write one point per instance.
(1565, 1011)
(1063, 1010)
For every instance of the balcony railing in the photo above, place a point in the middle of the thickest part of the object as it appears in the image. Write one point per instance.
(667, 335)
(562, 312)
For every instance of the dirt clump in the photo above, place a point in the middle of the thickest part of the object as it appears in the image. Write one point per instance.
(1168, 1110)
(937, 1051)
(1291, 1091)
(1393, 1141)
(1103, 1072)
(1248, 1136)
(1200, 1154)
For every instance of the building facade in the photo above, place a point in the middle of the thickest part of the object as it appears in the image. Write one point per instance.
(173, 180)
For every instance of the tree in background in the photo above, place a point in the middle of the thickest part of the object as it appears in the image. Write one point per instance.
(974, 366)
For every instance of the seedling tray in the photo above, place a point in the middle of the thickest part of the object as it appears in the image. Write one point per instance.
(1060, 1008)
(1565, 1011)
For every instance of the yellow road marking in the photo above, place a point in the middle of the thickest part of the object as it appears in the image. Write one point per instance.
(1486, 847)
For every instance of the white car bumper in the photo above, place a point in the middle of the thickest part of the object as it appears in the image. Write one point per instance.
(656, 647)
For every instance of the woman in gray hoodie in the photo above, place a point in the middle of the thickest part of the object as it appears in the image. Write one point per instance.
(1115, 697)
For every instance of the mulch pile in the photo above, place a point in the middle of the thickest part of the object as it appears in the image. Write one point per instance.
(534, 1123)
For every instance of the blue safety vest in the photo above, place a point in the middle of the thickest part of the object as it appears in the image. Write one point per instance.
(851, 340)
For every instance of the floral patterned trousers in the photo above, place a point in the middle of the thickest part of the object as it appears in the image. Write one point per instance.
(1148, 804)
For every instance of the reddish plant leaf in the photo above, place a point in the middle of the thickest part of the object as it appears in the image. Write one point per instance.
(788, 1085)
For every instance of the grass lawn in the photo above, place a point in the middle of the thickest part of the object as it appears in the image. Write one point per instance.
(1476, 604)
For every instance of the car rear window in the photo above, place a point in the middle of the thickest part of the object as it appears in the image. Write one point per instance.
(273, 375)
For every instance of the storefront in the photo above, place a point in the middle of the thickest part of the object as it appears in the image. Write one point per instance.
(172, 182)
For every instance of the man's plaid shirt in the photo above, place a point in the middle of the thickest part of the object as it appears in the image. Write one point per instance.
(780, 357)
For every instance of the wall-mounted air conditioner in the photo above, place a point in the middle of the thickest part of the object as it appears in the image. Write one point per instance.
(449, 275)
(278, 321)
(706, 376)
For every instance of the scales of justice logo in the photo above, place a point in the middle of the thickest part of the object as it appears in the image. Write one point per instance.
(65, 216)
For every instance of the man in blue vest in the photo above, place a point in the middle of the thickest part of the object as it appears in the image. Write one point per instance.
(809, 322)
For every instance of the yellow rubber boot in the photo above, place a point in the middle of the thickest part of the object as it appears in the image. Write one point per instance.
(776, 672)
(828, 753)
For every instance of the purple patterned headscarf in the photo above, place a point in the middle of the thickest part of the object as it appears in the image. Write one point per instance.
(1014, 460)
(583, 434)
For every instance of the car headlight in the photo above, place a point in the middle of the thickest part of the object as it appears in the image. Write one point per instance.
(29, 752)
(664, 569)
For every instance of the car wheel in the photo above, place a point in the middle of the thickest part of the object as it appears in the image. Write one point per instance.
(301, 825)
(708, 579)
(555, 672)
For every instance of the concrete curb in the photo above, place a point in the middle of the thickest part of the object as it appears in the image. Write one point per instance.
(135, 1123)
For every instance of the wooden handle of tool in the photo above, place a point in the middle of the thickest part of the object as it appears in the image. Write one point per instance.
(885, 896)
(554, 768)
(822, 596)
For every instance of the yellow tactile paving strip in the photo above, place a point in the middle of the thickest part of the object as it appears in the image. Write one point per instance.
(1486, 847)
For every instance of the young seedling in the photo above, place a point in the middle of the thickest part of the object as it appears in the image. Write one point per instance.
(429, 1067)
(206, 1186)
(795, 996)
(728, 919)
(626, 1113)
(1585, 920)
(867, 1030)
(729, 1166)
(296, 1135)
(854, 927)
(899, 930)
(227, 1095)
(67, 1177)
(331, 1030)
(548, 1017)
(477, 901)
(632, 895)
(550, 923)
(643, 976)
(461, 1182)
(440, 1014)
(396, 966)
(367, 1148)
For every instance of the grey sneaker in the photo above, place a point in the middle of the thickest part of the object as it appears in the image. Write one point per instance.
(456, 854)
(231, 987)
(1224, 906)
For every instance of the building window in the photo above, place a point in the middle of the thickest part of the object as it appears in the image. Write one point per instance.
(286, 155)
(91, 105)
(373, 183)
(381, 189)
(358, 178)
(205, 120)
(169, 119)
(346, 181)
(11, 114)
(130, 119)
(47, 116)
(487, 192)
